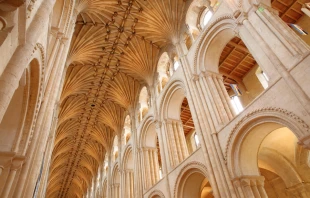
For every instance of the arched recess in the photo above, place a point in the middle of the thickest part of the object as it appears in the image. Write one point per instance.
(178, 123)
(164, 71)
(151, 153)
(15, 133)
(116, 181)
(228, 66)
(127, 130)
(263, 147)
(128, 177)
(157, 194)
(144, 103)
(115, 149)
(193, 182)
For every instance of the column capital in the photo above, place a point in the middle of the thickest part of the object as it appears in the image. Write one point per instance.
(17, 162)
(158, 124)
(6, 158)
(195, 77)
(212, 74)
(305, 142)
(249, 180)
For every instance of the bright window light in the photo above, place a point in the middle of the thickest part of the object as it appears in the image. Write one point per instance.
(207, 18)
(265, 76)
(176, 65)
(160, 173)
(236, 104)
(196, 140)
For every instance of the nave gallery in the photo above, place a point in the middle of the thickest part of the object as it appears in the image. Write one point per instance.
(154, 98)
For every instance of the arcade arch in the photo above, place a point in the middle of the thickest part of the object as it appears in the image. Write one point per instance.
(267, 152)
(128, 176)
(22, 107)
(163, 70)
(127, 130)
(116, 180)
(178, 124)
(193, 182)
(144, 103)
(115, 149)
(151, 156)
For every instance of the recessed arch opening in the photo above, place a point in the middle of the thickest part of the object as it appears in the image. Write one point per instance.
(270, 149)
(195, 184)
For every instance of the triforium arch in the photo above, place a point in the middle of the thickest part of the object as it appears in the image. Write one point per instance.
(255, 148)
(127, 177)
(170, 111)
(150, 151)
(116, 182)
(192, 181)
(19, 121)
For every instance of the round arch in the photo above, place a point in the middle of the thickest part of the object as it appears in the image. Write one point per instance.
(188, 183)
(250, 131)
(157, 194)
(171, 102)
(147, 133)
(128, 162)
(212, 42)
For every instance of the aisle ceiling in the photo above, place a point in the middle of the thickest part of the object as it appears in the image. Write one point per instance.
(113, 53)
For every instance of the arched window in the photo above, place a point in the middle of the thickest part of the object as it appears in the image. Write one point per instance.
(176, 63)
(115, 149)
(206, 18)
(127, 130)
(143, 103)
(163, 70)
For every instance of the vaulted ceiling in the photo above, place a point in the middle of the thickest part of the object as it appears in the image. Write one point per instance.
(114, 52)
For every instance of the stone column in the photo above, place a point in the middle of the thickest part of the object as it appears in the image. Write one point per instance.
(151, 168)
(177, 143)
(16, 164)
(116, 191)
(109, 175)
(55, 50)
(206, 130)
(162, 147)
(128, 184)
(22, 56)
(284, 42)
(43, 124)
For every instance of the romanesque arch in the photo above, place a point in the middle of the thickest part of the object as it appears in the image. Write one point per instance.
(156, 194)
(192, 182)
(265, 143)
(116, 181)
(179, 128)
(150, 152)
(128, 172)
